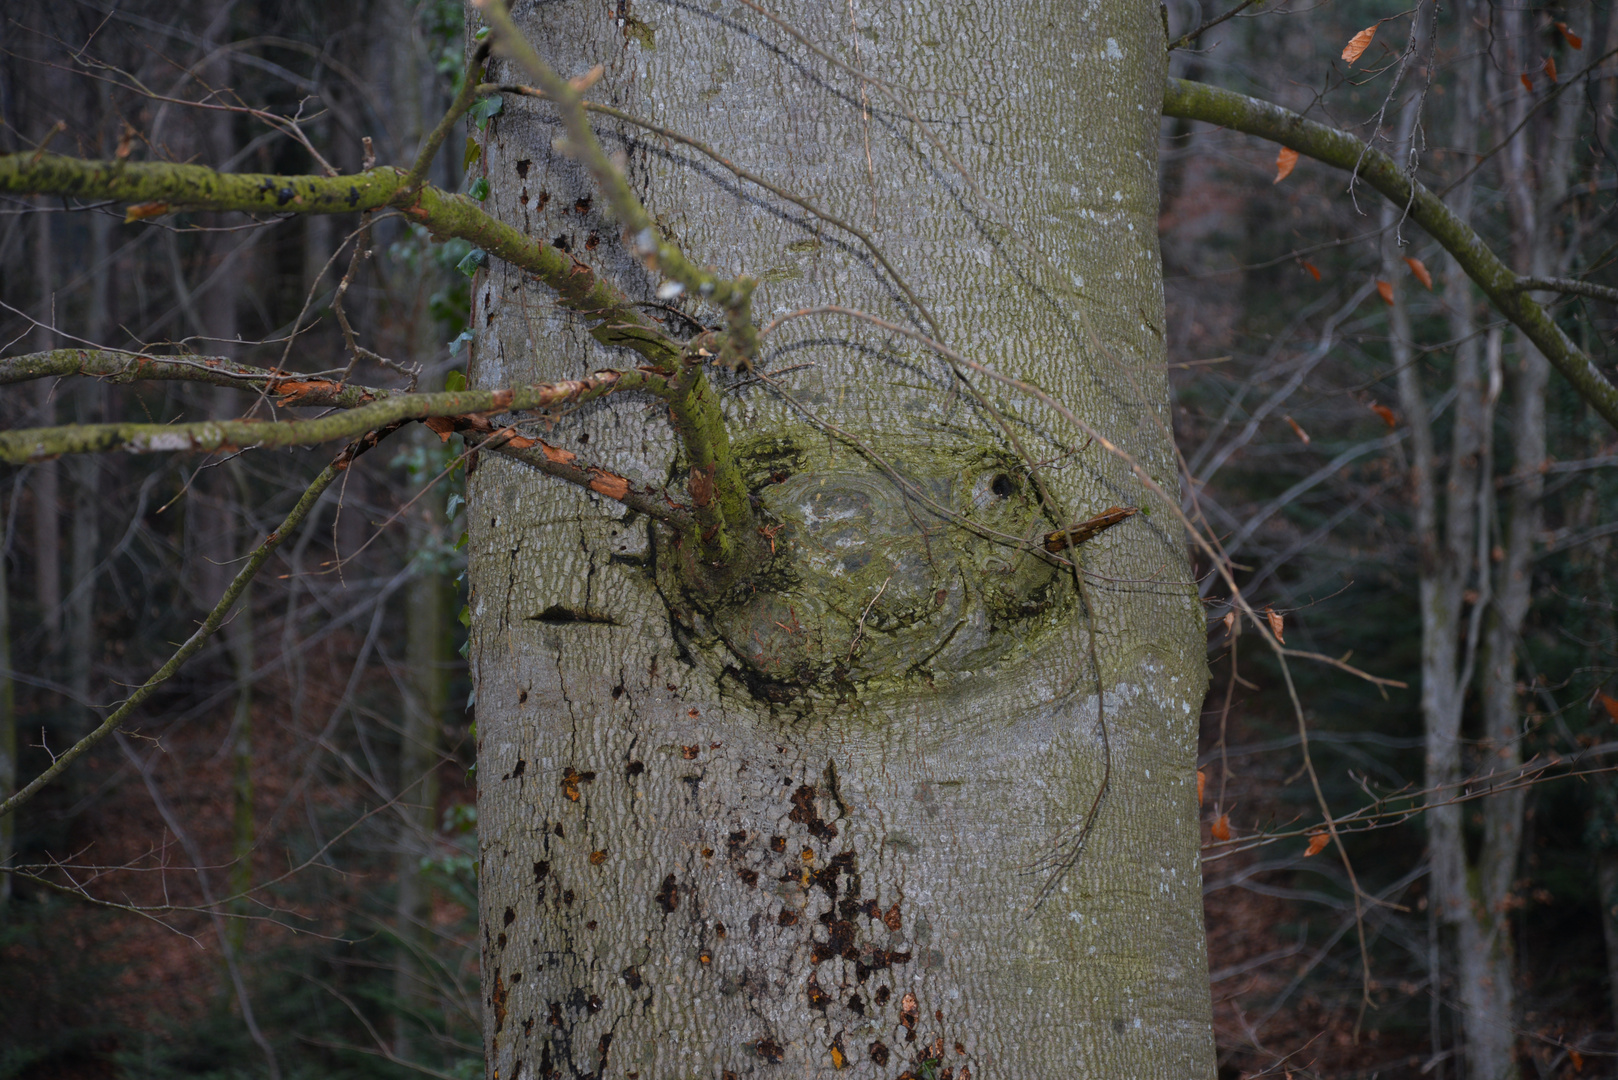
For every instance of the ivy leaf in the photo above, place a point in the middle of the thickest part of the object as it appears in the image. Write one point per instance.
(472, 154)
(474, 259)
(479, 189)
(465, 536)
(461, 341)
(453, 507)
(465, 617)
(485, 110)
(455, 381)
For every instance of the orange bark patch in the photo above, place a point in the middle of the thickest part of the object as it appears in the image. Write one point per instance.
(609, 484)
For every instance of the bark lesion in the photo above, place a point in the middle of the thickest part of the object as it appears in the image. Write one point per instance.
(866, 583)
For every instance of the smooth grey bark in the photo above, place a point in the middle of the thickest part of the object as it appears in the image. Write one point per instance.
(796, 836)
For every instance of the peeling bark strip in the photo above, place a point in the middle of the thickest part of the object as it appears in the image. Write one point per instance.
(819, 792)
(1074, 535)
(1196, 101)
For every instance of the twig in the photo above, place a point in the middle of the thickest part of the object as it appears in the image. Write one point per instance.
(199, 637)
(1197, 101)
(1187, 38)
(31, 444)
(752, 178)
(1568, 285)
(733, 296)
(463, 101)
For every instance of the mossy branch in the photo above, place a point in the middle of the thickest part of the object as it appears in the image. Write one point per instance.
(117, 366)
(25, 445)
(1198, 101)
(160, 187)
(675, 369)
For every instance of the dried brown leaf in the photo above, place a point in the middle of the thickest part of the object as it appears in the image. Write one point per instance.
(142, 211)
(1359, 43)
(1277, 623)
(1285, 161)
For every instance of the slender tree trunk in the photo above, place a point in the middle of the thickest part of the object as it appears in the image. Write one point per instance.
(428, 653)
(1447, 519)
(1607, 882)
(1451, 558)
(428, 611)
(244, 828)
(90, 402)
(808, 825)
(8, 720)
(46, 483)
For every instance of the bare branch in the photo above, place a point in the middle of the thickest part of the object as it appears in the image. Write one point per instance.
(125, 367)
(37, 444)
(1572, 286)
(164, 188)
(1198, 101)
(199, 637)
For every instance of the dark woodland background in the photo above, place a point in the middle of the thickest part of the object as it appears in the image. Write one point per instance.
(272, 873)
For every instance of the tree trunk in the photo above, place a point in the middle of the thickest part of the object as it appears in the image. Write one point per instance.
(47, 475)
(86, 471)
(428, 650)
(8, 721)
(1447, 532)
(428, 641)
(808, 824)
